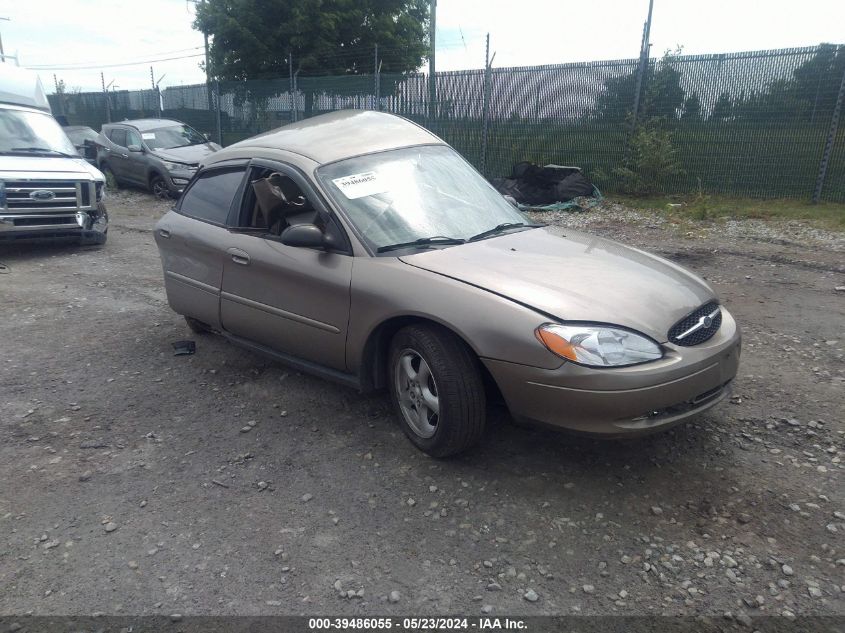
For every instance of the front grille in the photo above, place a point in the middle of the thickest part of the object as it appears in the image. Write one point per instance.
(66, 195)
(45, 221)
(697, 326)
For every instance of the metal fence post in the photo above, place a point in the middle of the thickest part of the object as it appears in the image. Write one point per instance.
(292, 88)
(217, 111)
(485, 113)
(831, 138)
(377, 80)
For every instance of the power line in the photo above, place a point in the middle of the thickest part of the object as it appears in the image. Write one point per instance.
(95, 66)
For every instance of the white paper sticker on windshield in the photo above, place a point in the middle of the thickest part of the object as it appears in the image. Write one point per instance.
(148, 136)
(360, 185)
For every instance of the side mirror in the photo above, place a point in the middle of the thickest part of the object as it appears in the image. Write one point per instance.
(135, 148)
(304, 236)
(511, 200)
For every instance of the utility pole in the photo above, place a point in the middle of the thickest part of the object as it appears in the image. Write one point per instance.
(644, 50)
(3, 54)
(432, 84)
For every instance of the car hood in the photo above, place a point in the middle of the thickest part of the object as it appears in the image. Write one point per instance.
(188, 154)
(574, 276)
(58, 166)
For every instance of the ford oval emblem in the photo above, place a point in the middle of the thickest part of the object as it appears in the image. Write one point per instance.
(42, 194)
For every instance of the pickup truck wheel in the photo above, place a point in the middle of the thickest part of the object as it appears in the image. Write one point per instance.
(436, 389)
(158, 187)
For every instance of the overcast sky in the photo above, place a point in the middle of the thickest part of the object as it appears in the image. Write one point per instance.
(101, 33)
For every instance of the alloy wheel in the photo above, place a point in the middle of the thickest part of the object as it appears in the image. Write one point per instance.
(417, 393)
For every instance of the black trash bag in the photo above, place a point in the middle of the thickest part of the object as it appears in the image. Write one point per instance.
(533, 185)
(573, 186)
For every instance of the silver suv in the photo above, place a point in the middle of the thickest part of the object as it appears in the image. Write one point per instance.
(161, 155)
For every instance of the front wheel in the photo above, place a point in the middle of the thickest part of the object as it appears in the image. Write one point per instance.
(158, 187)
(111, 179)
(436, 390)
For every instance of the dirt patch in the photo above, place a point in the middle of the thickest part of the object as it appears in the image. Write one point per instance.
(131, 488)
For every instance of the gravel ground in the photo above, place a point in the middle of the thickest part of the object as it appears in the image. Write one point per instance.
(131, 488)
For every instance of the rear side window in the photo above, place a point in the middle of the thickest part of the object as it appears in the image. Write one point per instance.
(210, 196)
(118, 136)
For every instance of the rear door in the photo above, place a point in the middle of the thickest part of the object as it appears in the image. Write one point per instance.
(293, 300)
(193, 239)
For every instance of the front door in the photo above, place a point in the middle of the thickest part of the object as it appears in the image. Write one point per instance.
(293, 300)
(136, 162)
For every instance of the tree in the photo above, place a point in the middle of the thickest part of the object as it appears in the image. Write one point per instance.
(692, 108)
(723, 108)
(253, 39)
(662, 94)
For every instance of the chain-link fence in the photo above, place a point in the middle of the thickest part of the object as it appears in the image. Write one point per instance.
(750, 124)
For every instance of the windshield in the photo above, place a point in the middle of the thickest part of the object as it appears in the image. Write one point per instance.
(416, 193)
(26, 132)
(172, 136)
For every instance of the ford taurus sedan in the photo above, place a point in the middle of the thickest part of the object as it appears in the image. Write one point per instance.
(360, 247)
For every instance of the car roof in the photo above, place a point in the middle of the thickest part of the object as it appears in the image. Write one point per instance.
(74, 128)
(336, 135)
(146, 124)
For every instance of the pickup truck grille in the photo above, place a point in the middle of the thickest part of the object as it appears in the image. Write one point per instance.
(29, 196)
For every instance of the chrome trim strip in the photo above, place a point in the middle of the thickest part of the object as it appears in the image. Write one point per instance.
(279, 312)
(192, 282)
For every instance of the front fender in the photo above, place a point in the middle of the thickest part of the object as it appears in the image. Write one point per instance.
(494, 327)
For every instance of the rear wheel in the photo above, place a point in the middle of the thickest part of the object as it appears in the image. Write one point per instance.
(158, 187)
(436, 389)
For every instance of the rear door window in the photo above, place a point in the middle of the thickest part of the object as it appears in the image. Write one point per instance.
(210, 196)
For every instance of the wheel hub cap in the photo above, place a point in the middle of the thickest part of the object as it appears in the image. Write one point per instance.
(417, 393)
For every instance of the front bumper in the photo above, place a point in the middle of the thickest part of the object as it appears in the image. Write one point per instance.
(629, 400)
(89, 226)
(177, 180)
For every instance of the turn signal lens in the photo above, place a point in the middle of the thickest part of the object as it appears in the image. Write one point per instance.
(598, 345)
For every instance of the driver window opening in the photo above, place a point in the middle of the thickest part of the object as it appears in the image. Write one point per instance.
(274, 202)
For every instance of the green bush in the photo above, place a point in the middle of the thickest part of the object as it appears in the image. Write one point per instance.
(651, 161)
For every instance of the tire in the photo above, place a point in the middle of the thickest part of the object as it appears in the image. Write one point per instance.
(158, 187)
(197, 327)
(111, 179)
(453, 380)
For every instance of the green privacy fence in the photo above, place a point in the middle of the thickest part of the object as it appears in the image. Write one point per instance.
(762, 124)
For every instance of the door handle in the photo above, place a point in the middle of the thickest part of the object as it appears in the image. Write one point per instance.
(239, 256)
(164, 232)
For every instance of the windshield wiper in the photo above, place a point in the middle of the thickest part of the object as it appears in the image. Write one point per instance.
(423, 241)
(45, 150)
(500, 228)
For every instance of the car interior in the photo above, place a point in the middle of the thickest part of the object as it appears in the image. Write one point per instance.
(273, 202)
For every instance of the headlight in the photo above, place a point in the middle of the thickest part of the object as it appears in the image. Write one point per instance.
(179, 167)
(598, 345)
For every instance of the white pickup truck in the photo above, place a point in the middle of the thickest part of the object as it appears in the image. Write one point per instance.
(47, 190)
